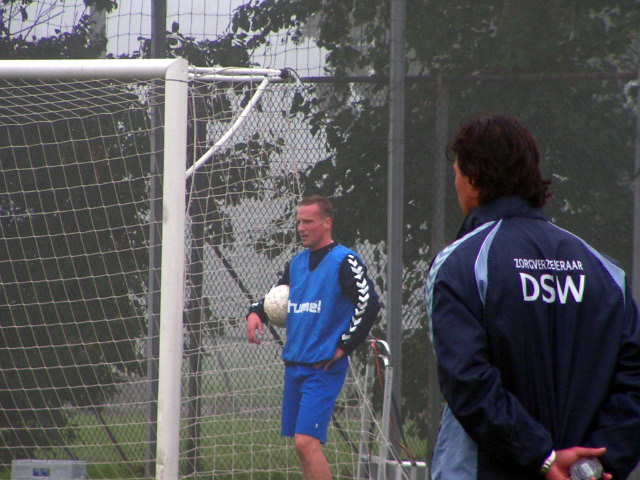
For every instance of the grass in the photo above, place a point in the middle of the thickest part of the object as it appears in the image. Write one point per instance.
(238, 430)
(231, 446)
(234, 448)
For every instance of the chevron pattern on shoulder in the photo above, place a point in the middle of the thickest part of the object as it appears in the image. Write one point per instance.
(363, 295)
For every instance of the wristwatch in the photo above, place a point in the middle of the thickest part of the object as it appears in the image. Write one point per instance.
(546, 465)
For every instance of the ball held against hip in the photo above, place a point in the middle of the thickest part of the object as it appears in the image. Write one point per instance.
(276, 305)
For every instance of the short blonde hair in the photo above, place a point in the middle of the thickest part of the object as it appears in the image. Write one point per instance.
(323, 203)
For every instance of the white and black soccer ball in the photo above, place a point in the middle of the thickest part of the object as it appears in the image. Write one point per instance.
(276, 303)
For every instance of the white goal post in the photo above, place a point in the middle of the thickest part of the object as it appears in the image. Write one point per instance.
(85, 146)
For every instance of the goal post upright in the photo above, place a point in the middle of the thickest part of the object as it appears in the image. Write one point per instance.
(173, 271)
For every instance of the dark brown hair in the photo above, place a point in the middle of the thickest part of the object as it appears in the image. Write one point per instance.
(326, 208)
(500, 157)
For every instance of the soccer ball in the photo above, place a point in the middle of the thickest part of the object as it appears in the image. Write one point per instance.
(276, 303)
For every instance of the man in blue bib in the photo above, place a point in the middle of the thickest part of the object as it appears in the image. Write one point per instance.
(332, 307)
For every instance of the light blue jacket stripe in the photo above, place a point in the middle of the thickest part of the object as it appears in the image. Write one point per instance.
(617, 274)
(481, 266)
(437, 263)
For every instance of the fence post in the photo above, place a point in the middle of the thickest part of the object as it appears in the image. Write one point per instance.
(158, 34)
(395, 221)
(635, 276)
(635, 273)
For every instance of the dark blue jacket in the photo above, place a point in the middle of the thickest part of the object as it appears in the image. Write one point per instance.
(537, 340)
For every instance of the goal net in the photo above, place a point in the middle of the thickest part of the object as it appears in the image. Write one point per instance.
(86, 167)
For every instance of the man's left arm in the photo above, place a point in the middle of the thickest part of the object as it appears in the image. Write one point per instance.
(356, 285)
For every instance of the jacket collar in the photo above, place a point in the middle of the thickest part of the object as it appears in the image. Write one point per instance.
(503, 207)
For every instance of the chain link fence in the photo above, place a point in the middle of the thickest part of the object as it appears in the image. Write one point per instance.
(324, 137)
(330, 137)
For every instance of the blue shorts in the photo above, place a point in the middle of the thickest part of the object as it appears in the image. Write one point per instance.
(309, 396)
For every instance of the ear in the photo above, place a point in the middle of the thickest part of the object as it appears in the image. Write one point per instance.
(329, 221)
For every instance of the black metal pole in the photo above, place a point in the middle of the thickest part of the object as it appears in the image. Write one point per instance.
(158, 48)
(395, 221)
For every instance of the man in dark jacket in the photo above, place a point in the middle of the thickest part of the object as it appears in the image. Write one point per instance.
(536, 334)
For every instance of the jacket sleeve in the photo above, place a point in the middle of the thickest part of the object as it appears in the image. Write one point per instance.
(258, 307)
(617, 424)
(471, 385)
(356, 285)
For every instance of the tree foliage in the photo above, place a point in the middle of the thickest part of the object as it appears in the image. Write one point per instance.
(529, 59)
(72, 302)
(71, 248)
(535, 60)
(20, 43)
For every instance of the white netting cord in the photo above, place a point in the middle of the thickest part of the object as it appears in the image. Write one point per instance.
(242, 200)
(75, 160)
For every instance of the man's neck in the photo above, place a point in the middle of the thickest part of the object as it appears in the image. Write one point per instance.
(324, 245)
(317, 255)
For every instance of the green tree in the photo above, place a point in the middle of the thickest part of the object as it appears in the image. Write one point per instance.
(72, 297)
(71, 250)
(22, 43)
(74, 249)
(492, 57)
